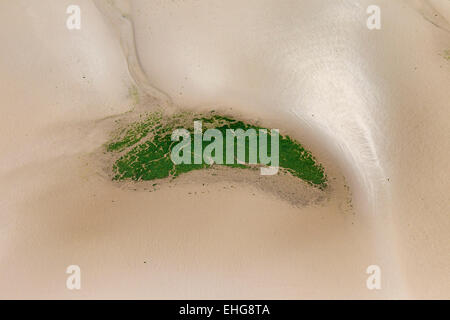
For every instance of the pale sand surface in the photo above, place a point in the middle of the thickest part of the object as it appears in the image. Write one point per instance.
(372, 107)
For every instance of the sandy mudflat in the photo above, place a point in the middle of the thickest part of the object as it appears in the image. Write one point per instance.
(372, 106)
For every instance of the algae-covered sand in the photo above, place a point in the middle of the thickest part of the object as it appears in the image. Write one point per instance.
(144, 149)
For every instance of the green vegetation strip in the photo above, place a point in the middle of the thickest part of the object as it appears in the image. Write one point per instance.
(143, 149)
